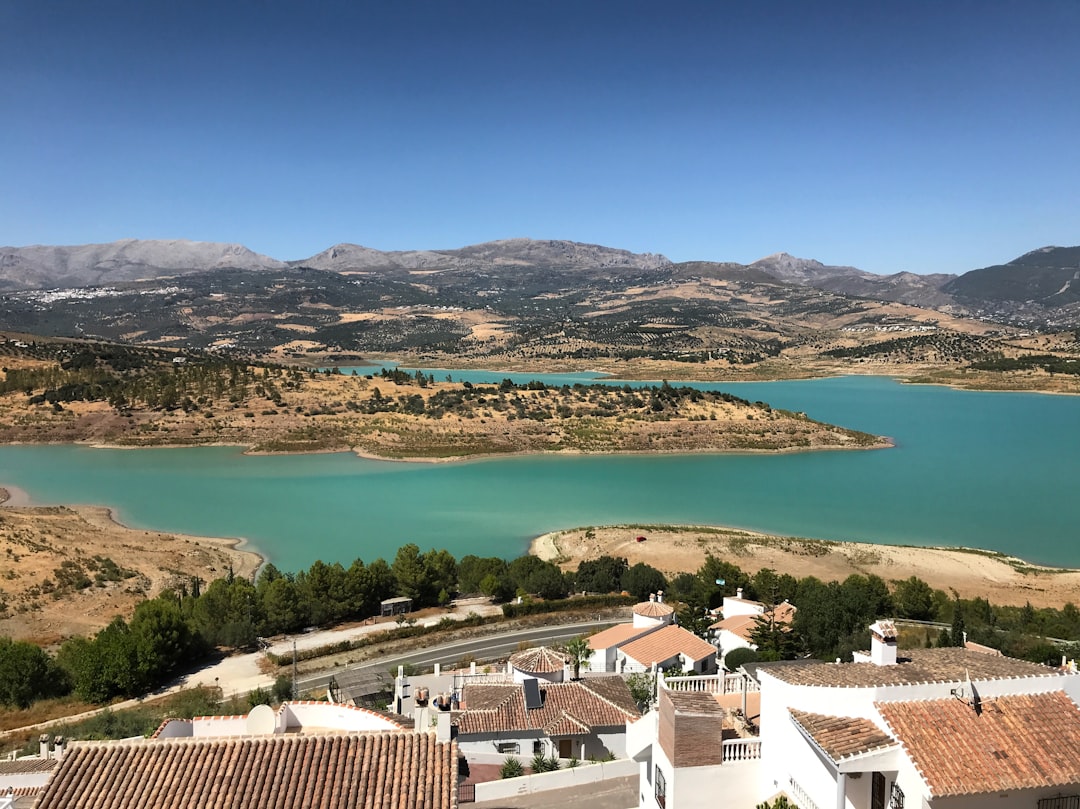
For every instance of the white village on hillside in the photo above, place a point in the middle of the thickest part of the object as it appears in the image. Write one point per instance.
(940, 728)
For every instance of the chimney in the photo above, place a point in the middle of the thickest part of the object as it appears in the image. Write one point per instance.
(652, 596)
(442, 726)
(660, 596)
(43, 745)
(59, 743)
(883, 643)
(738, 593)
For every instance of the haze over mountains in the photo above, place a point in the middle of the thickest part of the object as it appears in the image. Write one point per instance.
(1039, 288)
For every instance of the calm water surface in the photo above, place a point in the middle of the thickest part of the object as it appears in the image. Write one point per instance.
(989, 470)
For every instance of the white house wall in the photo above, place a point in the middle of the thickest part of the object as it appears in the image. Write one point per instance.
(598, 744)
(603, 660)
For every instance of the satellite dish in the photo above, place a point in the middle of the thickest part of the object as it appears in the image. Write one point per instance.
(261, 721)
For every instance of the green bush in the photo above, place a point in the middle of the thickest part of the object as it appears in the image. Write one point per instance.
(511, 768)
(564, 604)
(739, 657)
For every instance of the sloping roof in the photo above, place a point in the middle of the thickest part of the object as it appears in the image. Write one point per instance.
(841, 737)
(540, 660)
(664, 644)
(743, 625)
(740, 625)
(386, 770)
(915, 666)
(27, 765)
(568, 708)
(1017, 742)
(616, 636)
(885, 629)
(653, 609)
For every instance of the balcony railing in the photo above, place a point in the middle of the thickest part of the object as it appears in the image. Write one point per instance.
(799, 796)
(712, 683)
(741, 750)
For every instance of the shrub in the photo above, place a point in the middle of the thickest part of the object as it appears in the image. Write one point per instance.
(511, 768)
(739, 657)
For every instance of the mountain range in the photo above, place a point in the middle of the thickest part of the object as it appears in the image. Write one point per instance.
(1039, 289)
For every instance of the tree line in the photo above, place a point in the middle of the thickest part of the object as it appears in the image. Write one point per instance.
(167, 633)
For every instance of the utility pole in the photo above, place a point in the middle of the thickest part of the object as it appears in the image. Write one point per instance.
(294, 669)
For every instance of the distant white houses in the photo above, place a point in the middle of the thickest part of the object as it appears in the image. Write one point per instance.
(651, 639)
(740, 617)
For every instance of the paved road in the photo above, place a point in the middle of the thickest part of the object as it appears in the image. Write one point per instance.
(449, 654)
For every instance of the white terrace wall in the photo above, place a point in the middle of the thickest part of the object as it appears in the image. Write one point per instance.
(219, 726)
(577, 776)
(344, 718)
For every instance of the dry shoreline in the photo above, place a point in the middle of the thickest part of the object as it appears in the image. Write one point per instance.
(970, 572)
(250, 560)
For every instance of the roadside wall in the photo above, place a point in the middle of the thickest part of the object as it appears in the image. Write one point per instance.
(582, 774)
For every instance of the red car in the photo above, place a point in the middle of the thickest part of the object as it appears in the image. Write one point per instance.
(641, 539)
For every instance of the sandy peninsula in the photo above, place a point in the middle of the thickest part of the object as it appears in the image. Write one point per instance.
(674, 549)
(70, 570)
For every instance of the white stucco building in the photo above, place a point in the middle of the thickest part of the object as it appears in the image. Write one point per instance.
(943, 728)
(739, 617)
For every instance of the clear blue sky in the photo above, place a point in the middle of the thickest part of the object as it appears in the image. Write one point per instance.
(926, 136)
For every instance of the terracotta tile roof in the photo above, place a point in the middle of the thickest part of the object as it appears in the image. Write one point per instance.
(972, 646)
(27, 765)
(743, 625)
(884, 629)
(915, 666)
(390, 770)
(653, 609)
(664, 644)
(613, 690)
(540, 660)
(740, 625)
(1017, 742)
(569, 708)
(616, 636)
(841, 737)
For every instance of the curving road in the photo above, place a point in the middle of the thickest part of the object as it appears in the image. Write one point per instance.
(490, 647)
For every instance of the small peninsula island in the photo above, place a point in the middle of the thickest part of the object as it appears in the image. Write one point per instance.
(104, 394)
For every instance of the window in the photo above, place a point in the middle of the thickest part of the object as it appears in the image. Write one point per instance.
(896, 797)
(661, 789)
(538, 747)
(513, 748)
(1060, 802)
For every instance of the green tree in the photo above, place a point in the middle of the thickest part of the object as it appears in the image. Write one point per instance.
(440, 569)
(914, 599)
(472, 570)
(774, 640)
(642, 687)
(411, 575)
(496, 588)
(282, 609)
(642, 579)
(956, 631)
(694, 617)
(601, 575)
(579, 651)
(27, 674)
(162, 639)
